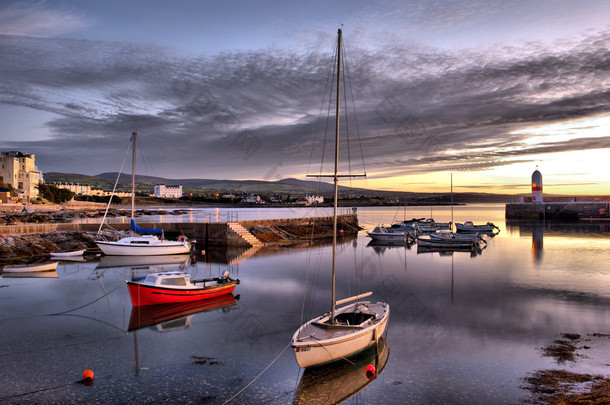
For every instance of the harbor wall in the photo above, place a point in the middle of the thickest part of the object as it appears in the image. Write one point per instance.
(207, 234)
(555, 210)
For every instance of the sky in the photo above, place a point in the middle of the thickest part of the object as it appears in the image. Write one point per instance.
(473, 93)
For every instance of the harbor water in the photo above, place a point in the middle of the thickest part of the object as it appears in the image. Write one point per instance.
(465, 327)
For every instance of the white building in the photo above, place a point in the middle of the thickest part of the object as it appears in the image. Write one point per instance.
(19, 170)
(314, 199)
(161, 190)
(80, 189)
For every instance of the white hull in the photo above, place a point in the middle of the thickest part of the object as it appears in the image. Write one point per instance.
(458, 242)
(30, 268)
(388, 237)
(341, 342)
(68, 254)
(130, 247)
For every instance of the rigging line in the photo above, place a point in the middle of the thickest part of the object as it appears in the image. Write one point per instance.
(83, 306)
(349, 81)
(37, 391)
(347, 143)
(115, 184)
(328, 116)
(318, 121)
(256, 378)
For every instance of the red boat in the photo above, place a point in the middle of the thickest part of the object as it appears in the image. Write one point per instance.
(172, 287)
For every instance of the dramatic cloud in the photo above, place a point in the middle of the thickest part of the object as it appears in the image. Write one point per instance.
(254, 114)
(30, 20)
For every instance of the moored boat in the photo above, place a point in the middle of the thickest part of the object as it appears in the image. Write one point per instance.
(173, 287)
(72, 253)
(381, 233)
(142, 245)
(347, 330)
(469, 227)
(30, 268)
(447, 239)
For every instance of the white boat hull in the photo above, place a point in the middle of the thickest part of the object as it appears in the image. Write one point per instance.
(125, 248)
(68, 254)
(30, 268)
(388, 237)
(314, 352)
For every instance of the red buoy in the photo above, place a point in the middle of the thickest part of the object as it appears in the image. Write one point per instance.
(370, 371)
(88, 376)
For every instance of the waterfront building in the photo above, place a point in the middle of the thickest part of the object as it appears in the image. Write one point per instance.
(80, 189)
(19, 170)
(161, 190)
(314, 199)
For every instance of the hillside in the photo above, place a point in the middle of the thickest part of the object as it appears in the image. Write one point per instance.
(290, 186)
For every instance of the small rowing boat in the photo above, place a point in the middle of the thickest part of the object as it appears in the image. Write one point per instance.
(177, 286)
(30, 268)
(72, 253)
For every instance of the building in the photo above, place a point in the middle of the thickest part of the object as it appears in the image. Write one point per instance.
(19, 170)
(79, 189)
(161, 190)
(314, 199)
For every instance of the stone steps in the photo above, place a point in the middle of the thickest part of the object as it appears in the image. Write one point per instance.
(244, 234)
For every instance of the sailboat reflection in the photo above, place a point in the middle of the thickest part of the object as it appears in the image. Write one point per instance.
(166, 317)
(143, 261)
(335, 382)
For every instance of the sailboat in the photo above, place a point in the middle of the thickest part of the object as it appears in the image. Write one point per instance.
(141, 245)
(346, 330)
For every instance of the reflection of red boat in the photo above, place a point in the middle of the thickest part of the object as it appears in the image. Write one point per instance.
(149, 315)
(173, 287)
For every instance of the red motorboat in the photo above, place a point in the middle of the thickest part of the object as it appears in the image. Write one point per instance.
(172, 287)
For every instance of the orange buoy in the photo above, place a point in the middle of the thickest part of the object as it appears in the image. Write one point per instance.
(87, 375)
(203, 252)
(370, 371)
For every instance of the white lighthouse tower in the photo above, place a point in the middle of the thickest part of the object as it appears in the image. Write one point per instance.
(536, 186)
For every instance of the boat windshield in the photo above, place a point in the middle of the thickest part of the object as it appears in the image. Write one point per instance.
(173, 281)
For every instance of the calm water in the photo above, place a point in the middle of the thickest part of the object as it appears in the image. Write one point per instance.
(464, 328)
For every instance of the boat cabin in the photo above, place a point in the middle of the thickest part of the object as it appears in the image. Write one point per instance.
(173, 279)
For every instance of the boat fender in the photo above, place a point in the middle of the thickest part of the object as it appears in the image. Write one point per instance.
(182, 238)
(370, 372)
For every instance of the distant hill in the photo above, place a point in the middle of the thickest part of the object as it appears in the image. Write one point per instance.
(289, 186)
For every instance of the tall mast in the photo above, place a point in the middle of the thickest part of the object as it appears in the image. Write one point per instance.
(335, 177)
(133, 173)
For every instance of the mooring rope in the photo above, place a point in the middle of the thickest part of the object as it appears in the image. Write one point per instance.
(256, 378)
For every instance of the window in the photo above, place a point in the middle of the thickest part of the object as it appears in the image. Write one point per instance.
(173, 281)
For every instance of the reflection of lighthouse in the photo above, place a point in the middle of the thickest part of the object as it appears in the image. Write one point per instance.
(536, 186)
(537, 239)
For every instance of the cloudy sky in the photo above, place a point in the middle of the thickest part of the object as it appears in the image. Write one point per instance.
(486, 90)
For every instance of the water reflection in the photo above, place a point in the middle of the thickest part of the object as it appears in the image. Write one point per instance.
(176, 316)
(336, 382)
(464, 329)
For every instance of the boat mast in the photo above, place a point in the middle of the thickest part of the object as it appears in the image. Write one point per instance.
(335, 177)
(133, 173)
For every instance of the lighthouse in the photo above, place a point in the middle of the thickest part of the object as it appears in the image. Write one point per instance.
(536, 186)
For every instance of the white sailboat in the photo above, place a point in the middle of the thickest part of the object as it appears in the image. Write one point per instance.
(141, 245)
(346, 330)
